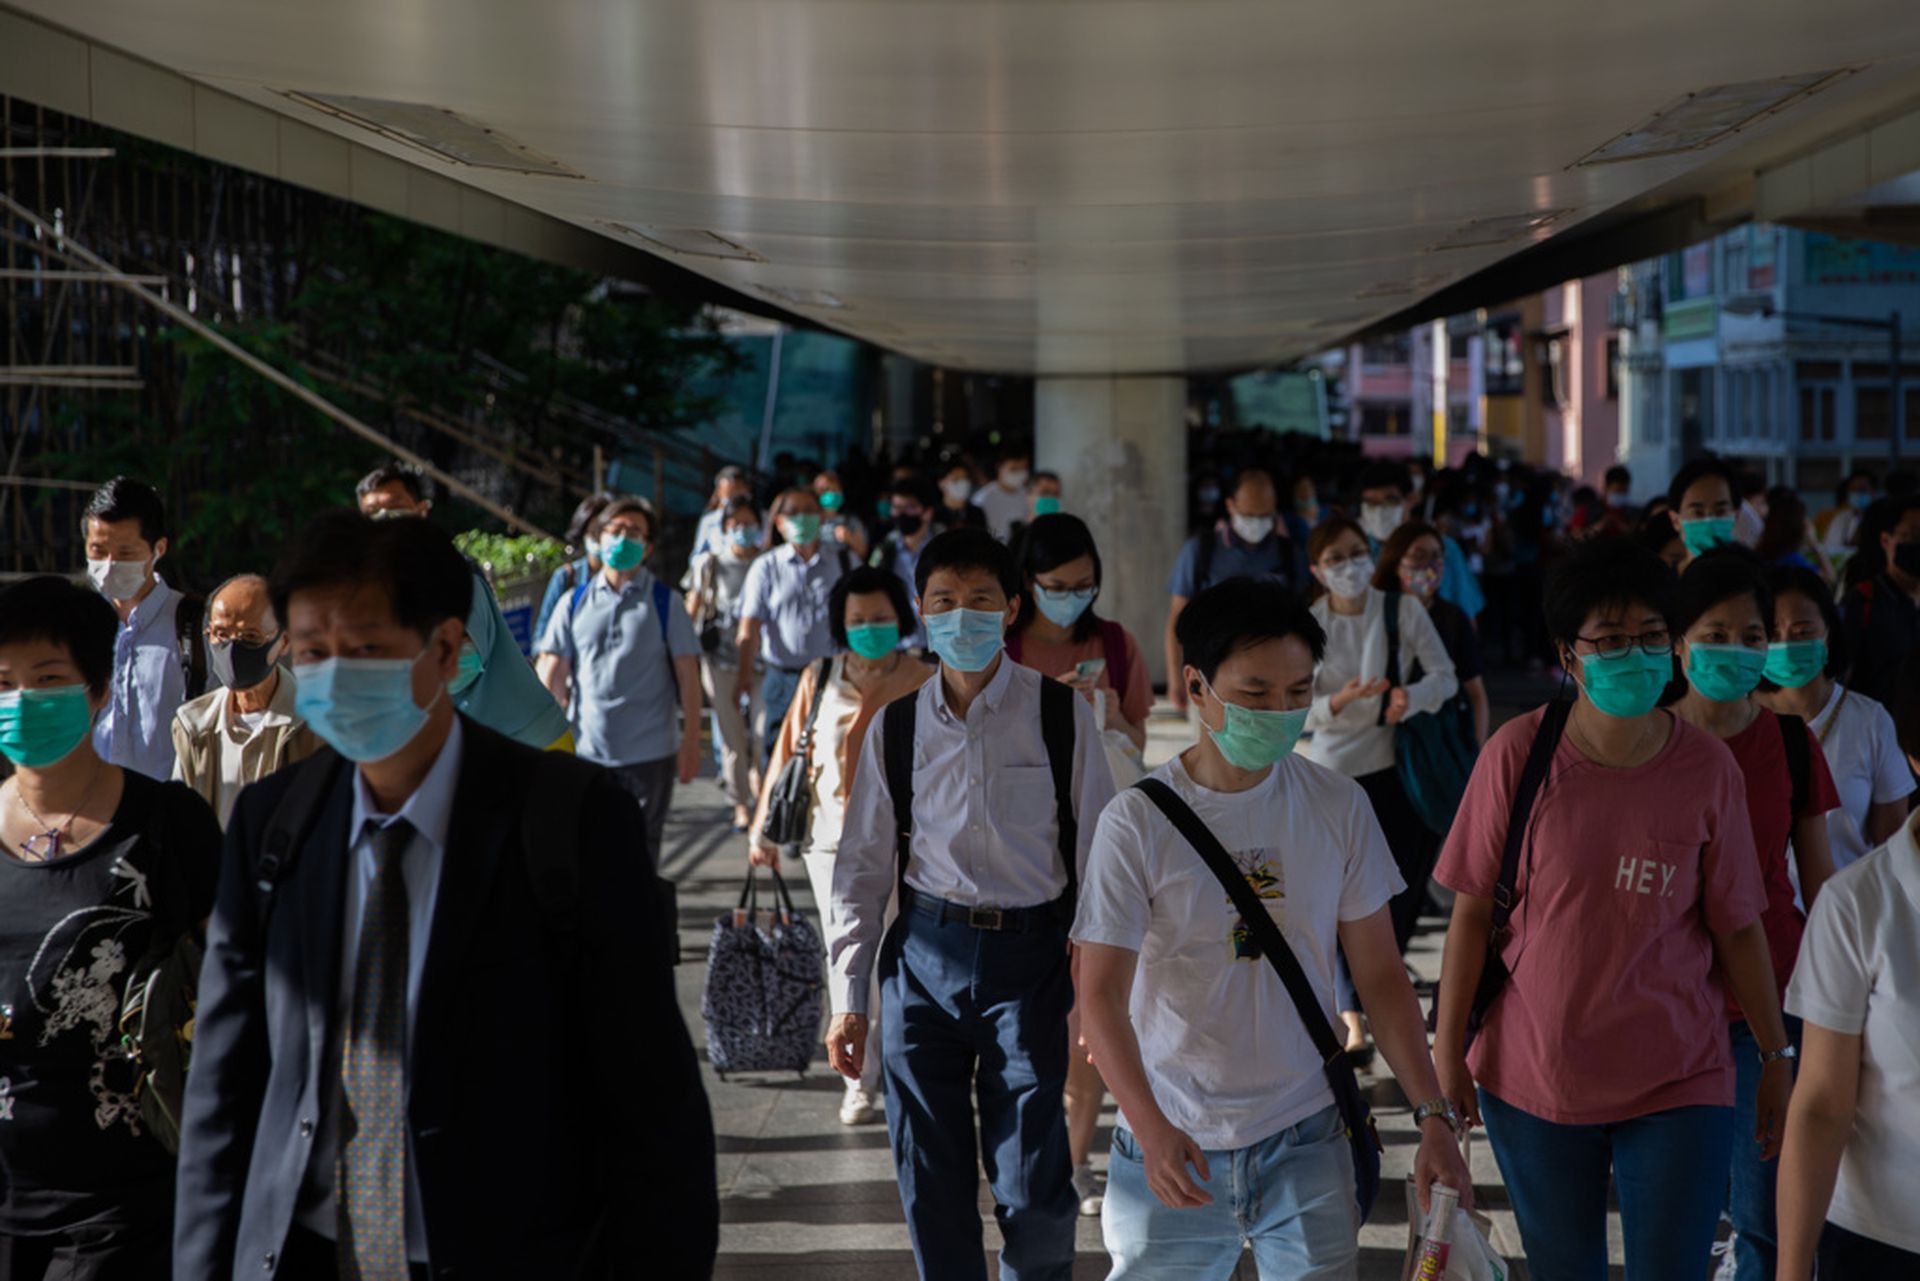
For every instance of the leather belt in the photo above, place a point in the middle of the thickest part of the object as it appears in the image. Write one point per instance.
(998, 920)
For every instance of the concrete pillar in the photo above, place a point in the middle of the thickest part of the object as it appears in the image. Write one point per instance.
(1120, 447)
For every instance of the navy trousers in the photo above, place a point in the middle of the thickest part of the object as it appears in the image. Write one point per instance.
(976, 1016)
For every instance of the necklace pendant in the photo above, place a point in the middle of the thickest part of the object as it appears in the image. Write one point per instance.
(45, 847)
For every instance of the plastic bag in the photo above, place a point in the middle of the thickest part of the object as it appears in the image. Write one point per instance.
(1471, 1256)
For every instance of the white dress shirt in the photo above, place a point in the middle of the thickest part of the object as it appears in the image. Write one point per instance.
(985, 830)
(430, 810)
(1352, 741)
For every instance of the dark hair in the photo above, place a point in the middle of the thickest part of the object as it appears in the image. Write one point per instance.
(1239, 614)
(967, 548)
(1618, 475)
(1749, 484)
(781, 509)
(395, 472)
(625, 505)
(1656, 532)
(1014, 449)
(585, 514)
(1797, 580)
(1039, 476)
(1841, 490)
(1785, 528)
(1329, 529)
(124, 498)
(1050, 542)
(1906, 705)
(1598, 572)
(917, 488)
(49, 608)
(860, 582)
(738, 504)
(1384, 476)
(1868, 561)
(1698, 470)
(1386, 573)
(426, 578)
(1725, 573)
(1900, 483)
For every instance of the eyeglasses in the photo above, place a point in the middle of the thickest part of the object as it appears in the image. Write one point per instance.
(1657, 644)
(220, 636)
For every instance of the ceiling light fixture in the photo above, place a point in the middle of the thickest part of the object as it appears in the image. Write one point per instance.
(443, 133)
(1709, 116)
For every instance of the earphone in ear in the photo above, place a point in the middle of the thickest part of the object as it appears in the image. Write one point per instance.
(1193, 688)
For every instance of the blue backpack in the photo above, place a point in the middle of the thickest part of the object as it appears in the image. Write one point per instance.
(1433, 752)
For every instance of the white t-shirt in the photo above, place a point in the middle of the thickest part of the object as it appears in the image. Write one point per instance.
(1859, 974)
(1857, 735)
(1003, 508)
(1228, 1058)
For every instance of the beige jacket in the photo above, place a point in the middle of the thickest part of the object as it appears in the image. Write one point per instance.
(281, 740)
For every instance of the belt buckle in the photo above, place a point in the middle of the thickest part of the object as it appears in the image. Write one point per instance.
(986, 918)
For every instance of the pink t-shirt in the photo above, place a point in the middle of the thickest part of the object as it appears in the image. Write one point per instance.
(1614, 1010)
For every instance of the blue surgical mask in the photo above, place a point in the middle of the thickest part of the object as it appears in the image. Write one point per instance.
(1063, 609)
(744, 535)
(1860, 501)
(1703, 535)
(1725, 673)
(967, 640)
(42, 727)
(362, 708)
(1252, 738)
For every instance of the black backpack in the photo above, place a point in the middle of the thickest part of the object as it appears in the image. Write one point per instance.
(1056, 731)
(192, 643)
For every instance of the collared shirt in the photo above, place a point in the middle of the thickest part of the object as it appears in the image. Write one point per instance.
(707, 531)
(1003, 507)
(625, 702)
(221, 751)
(135, 729)
(985, 832)
(430, 811)
(1277, 556)
(904, 562)
(788, 596)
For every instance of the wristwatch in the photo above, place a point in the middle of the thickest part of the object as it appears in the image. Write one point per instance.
(1442, 1108)
(1774, 1056)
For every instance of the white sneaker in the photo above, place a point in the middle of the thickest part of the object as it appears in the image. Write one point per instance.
(857, 1108)
(1087, 1187)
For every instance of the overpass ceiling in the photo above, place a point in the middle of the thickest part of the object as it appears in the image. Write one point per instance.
(1056, 186)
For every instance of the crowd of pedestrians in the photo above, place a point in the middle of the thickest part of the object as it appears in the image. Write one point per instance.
(334, 940)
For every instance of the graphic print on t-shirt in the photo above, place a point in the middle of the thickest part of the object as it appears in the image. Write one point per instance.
(1262, 869)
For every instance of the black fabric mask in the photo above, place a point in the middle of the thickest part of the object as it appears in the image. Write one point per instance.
(1906, 559)
(909, 523)
(238, 665)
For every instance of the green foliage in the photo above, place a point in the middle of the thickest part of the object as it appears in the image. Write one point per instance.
(509, 556)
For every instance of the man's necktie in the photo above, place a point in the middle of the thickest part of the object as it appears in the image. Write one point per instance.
(372, 1165)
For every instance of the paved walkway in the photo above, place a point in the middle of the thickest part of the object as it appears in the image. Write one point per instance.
(806, 1199)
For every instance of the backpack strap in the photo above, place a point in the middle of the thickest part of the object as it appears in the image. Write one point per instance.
(900, 720)
(1113, 641)
(1253, 914)
(1793, 739)
(292, 823)
(1546, 739)
(846, 561)
(662, 602)
(1390, 615)
(1057, 732)
(192, 643)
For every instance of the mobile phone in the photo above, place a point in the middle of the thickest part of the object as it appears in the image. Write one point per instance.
(1089, 668)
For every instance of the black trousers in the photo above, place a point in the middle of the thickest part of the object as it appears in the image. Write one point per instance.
(1415, 848)
(106, 1252)
(1848, 1256)
(312, 1257)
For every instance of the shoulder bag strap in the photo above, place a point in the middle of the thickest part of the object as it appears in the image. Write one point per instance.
(821, 675)
(1253, 913)
(1203, 563)
(1057, 732)
(287, 831)
(662, 602)
(900, 719)
(1113, 640)
(1793, 739)
(1390, 615)
(1553, 722)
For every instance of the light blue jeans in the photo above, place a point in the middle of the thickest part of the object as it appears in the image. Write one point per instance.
(1290, 1197)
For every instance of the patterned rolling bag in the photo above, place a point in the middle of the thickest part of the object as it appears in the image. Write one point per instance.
(765, 985)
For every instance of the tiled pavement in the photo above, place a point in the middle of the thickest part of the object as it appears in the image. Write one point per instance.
(805, 1199)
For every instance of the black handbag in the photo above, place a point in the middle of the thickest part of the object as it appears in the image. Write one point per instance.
(1363, 1138)
(790, 803)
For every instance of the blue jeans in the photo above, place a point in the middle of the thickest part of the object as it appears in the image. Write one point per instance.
(979, 1017)
(1668, 1167)
(1750, 1202)
(1290, 1196)
(777, 686)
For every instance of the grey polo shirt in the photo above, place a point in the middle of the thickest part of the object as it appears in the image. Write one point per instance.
(625, 702)
(789, 596)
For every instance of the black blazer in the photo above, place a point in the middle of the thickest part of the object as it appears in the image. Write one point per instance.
(559, 1125)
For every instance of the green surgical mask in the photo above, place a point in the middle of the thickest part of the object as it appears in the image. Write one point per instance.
(1703, 535)
(1724, 673)
(832, 500)
(42, 727)
(801, 528)
(1628, 686)
(874, 641)
(1253, 739)
(1791, 664)
(1046, 505)
(470, 668)
(622, 554)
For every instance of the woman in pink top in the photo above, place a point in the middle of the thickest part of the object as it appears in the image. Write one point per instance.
(1058, 635)
(1606, 1051)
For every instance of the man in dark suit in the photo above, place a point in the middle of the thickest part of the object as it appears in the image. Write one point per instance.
(437, 1034)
